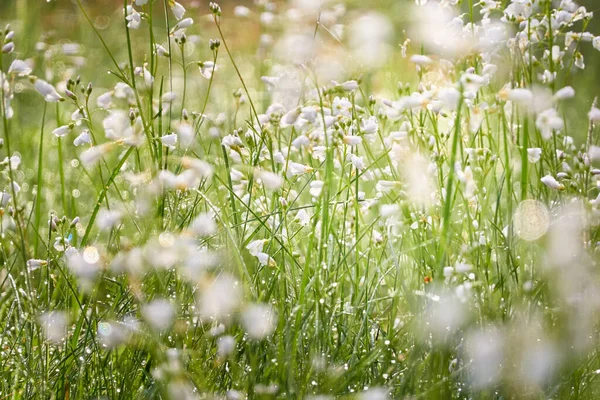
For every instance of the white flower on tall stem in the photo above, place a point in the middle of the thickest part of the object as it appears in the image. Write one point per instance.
(134, 18)
(207, 68)
(169, 140)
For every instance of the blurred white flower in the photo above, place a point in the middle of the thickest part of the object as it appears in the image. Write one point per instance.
(54, 325)
(258, 321)
(158, 314)
(47, 90)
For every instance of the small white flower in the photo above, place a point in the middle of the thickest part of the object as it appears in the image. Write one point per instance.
(201, 168)
(148, 78)
(258, 321)
(270, 180)
(159, 314)
(241, 11)
(219, 299)
(54, 325)
(369, 126)
(302, 217)
(349, 86)
(565, 93)
(83, 138)
(19, 68)
(232, 141)
(295, 168)
(225, 346)
(352, 140)
(552, 183)
(534, 154)
(62, 131)
(178, 10)
(207, 68)
(169, 140)
(357, 162)
(548, 121)
(104, 100)
(204, 225)
(594, 114)
(134, 18)
(316, 187)
(523, 97)
(33, 264)
(420, 60)
(47, 90)
(184, 23)
(107, 219)
(92, 155)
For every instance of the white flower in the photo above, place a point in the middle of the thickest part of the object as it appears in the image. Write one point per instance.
(207, 68)
(255, 247)
(178, 10)
(523, 97)
(54, 325)
(225, 346)
(33, 264)
(232, 141)
(316, 187)
(92, 155)
(161, 51)
(302, 217)
(565, 93)
(594, 115)
(357, 162)
(83, 138)
(47, 90)
(19, 68)
(596, 43)
(349, 86)
(270, 180)
(107, 219)
(548, 121)
(241, 11)
(352, 140)
(219, 299)
(201, 168)
(204, 225)
(369, 126)
(116, 125)
(295, 168)
(534, 154)
(265, 260)
(420, 60)
(159, 314)
(134, 18)
(184, 23)
(104, 100)
(148, 78)
(258, 321)
(552, 183)
(169, 140)
(8, 48)
(62, 130)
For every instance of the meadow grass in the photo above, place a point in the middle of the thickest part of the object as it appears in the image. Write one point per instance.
(301, 200)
